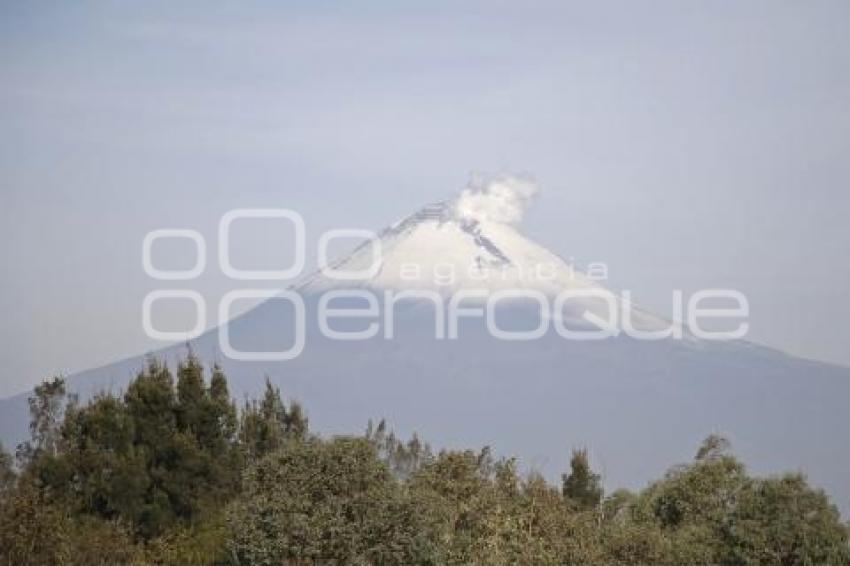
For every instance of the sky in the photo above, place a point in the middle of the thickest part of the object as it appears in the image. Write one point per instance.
(685, 144)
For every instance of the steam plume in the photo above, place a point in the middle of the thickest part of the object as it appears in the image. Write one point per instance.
(501, 199)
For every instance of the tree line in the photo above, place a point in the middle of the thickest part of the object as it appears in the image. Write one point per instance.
(174, 471)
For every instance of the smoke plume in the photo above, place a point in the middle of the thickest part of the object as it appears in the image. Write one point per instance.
(501, 199)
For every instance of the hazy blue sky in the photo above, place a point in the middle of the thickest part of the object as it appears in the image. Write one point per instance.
(686, 144)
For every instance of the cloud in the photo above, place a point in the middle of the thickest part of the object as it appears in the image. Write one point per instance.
(501, 199)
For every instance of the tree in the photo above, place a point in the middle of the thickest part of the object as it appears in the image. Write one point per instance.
(296, 421)
(192, 395)
(582, 487)
(7, 474)
(39, 527)
(267, 425)
(34, 528)
(403, 459)
(784, 521)
(712, 448)
(47, 406)
(712, 512)
(159, 458)
(151, 402)
(467, 505)
(108, 466)
(223, 411)
(169, 474)
(702, 492)
(317, 501)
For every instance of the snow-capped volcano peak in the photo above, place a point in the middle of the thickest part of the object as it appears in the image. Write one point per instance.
(471, 242)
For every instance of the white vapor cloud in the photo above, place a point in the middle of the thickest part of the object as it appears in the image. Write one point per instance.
(501, 199)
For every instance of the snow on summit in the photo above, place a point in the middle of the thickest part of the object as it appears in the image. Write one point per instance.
(471, 242)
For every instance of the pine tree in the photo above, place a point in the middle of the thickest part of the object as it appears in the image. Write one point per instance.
(296, 421)
(582, 487)
(221, 410)
(150, 401)
(267, 425)
(191, 394)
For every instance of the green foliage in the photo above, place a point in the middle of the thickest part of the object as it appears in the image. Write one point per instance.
(107, 462)
(160, 457)
(34, 528)
(477, 511)
(322, 501)
(713, 512)
(39, 526)
(582, 487)
(47, 405)
(196, 545)
(402, 458)
(171, 473)
(97, 542)
(268, 424)
(456, 498)
(7, 474)
(784, 521)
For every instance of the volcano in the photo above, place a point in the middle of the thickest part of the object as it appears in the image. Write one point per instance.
(637, 404)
